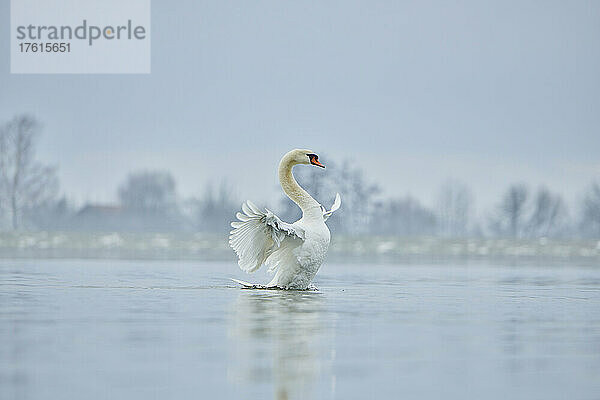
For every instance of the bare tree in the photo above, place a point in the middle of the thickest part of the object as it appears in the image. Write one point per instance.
(55, 215)
(590, 221)
(25, 184)
(404, 217)
(149, 192)
(216, 209)
(359, 195)
(548, 214)
(510, 218)
(454, 209)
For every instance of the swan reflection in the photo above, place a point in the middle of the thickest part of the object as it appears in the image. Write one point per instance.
(277, 337)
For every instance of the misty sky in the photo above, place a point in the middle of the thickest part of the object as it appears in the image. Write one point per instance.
(414, 92)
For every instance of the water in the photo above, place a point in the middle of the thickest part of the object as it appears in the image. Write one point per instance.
(144, 329)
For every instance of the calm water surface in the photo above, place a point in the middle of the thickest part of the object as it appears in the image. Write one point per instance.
(147, 329)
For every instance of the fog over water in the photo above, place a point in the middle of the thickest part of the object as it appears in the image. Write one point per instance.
(414, 93)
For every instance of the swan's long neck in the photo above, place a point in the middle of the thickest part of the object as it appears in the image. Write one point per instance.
(291, 188)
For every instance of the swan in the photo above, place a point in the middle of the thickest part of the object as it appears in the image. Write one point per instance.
(293, 252)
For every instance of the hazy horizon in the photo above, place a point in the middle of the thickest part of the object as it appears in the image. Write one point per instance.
(489, 94)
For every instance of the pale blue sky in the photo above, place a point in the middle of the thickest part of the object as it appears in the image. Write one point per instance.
(415, 92)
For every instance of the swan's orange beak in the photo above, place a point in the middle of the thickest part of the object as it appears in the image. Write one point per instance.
(314, 160)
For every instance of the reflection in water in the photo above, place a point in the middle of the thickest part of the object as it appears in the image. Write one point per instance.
(277, 336)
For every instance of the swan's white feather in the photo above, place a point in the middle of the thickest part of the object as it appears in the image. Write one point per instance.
(249, 285)
(262, 238)
(336, 204)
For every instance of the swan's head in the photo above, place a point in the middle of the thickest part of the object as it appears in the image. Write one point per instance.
(300, 156)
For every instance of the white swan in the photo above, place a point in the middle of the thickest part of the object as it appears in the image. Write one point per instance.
(294, 252)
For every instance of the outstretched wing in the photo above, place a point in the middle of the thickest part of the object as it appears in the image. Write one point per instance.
(258, 235)
(336, 204)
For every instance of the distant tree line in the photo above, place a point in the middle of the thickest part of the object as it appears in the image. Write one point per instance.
(148, 201)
